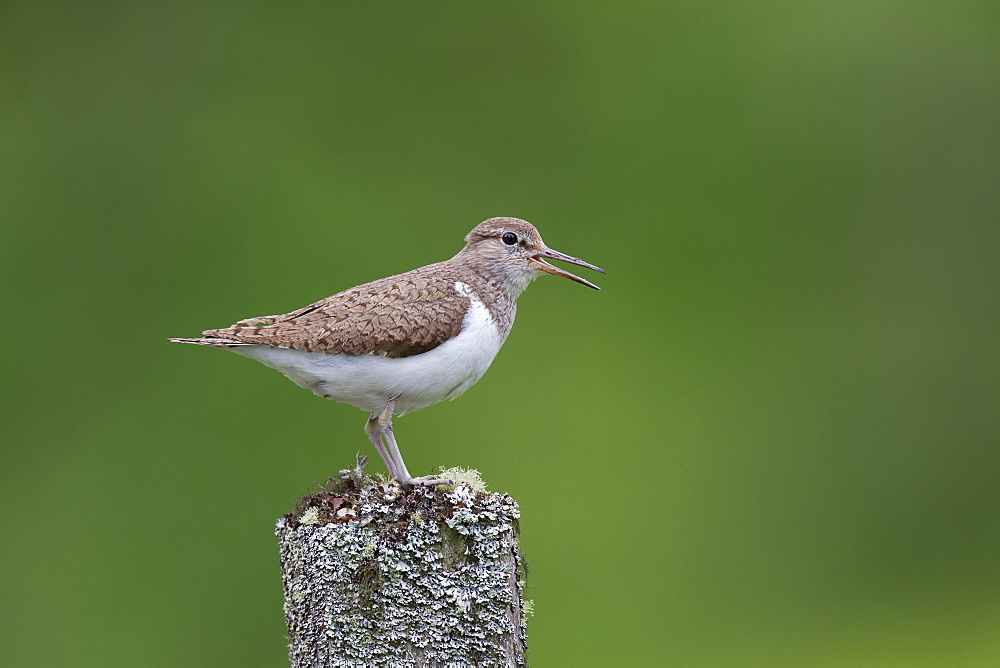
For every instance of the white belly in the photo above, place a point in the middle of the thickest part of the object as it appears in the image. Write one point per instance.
(369, 381)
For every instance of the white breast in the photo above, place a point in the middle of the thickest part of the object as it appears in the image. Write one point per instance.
(369, 381)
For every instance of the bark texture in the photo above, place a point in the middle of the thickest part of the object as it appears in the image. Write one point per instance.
(377, 576)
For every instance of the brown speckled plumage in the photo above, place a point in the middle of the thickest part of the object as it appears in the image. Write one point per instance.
(398, 316)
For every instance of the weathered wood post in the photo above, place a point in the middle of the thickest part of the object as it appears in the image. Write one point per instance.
(374, 575)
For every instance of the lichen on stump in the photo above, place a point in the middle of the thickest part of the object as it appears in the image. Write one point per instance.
(375, 575)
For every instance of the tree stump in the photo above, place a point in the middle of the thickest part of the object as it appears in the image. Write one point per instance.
(376, 575)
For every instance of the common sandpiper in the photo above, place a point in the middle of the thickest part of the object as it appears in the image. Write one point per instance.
(405, 342)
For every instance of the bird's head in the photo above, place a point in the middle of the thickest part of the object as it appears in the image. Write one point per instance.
(514, 249)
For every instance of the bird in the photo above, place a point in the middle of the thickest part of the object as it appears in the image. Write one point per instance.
(405, 342)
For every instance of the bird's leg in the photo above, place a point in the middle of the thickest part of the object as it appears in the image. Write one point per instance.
(385, 425)
(402, 475)
(374, 432)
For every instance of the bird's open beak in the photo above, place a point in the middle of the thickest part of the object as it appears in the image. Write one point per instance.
(540, 263)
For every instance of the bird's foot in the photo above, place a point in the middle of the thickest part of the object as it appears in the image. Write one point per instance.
(426, 480)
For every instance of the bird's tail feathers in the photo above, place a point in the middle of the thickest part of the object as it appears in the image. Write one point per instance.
(208, 341)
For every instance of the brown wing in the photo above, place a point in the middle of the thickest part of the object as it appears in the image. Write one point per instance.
(397, 316)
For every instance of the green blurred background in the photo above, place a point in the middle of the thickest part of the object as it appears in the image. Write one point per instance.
(772, 439)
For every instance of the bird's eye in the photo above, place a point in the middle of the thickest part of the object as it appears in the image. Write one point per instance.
(509, 238)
